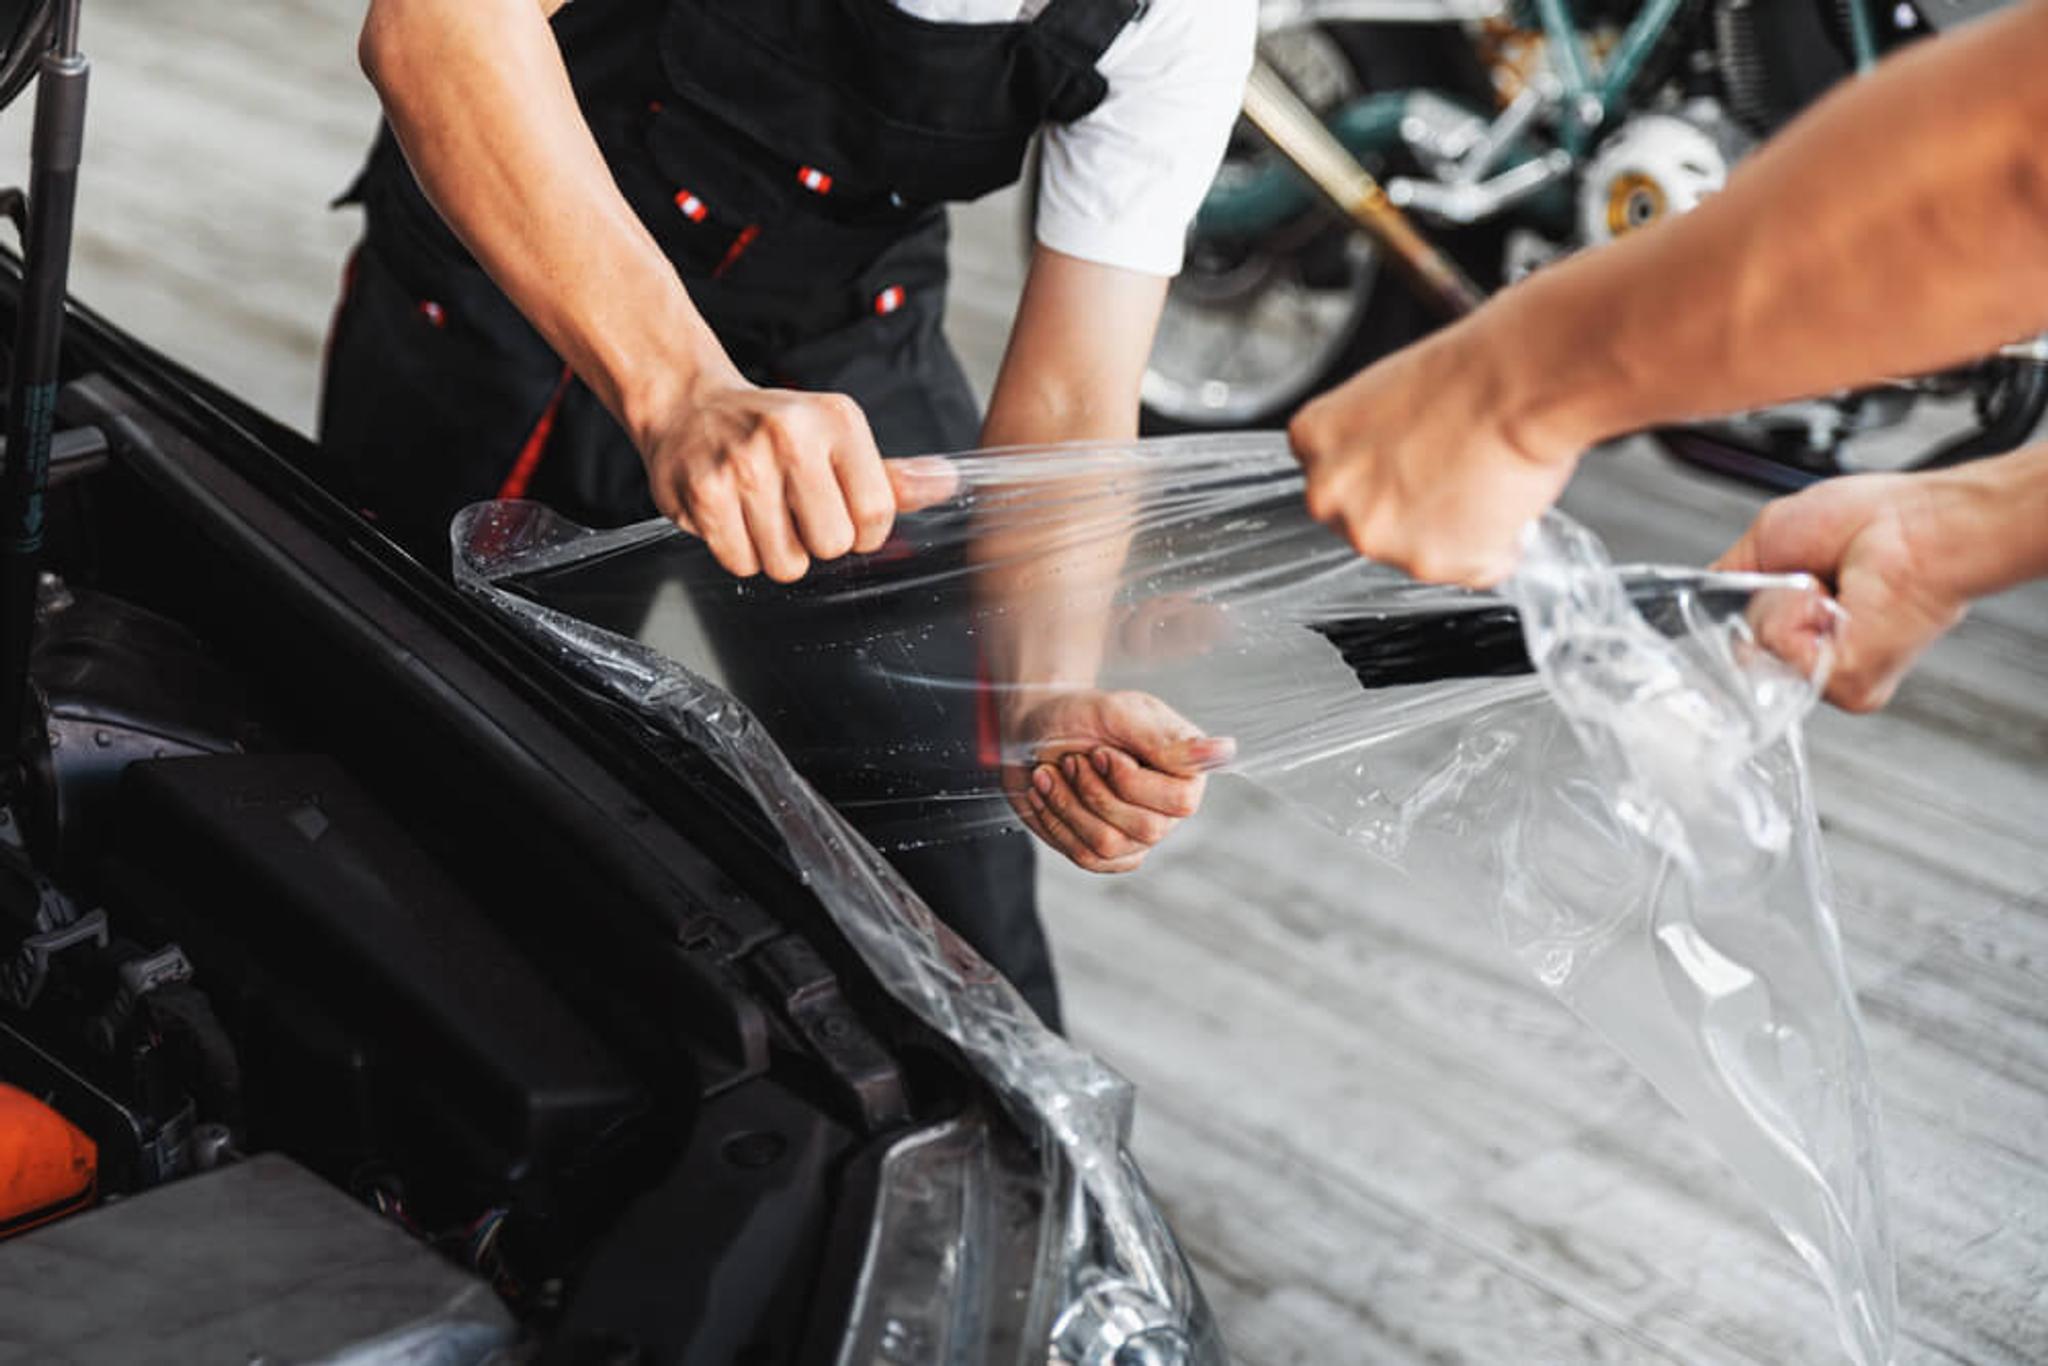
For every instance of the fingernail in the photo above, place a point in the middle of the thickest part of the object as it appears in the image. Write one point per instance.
(1072, 764)
(1041, 778)
(1102, 762)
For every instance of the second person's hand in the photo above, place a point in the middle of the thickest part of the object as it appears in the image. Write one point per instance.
(773, 479)
(1418, 463)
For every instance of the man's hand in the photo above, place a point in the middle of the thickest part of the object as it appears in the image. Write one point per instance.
(773, 479)
(1109, 774)
(1414, 462)
(1874, 539)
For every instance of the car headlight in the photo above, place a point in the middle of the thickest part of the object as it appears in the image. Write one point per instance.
(981, 1250)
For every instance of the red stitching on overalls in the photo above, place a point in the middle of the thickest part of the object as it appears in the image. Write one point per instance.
(737, 249)
(536, 444)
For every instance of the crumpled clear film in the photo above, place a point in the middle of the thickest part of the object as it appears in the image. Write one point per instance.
(1607, 758)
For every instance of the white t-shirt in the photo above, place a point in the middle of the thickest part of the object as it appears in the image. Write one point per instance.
(1119, 186)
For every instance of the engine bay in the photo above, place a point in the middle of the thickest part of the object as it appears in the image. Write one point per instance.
(293, 877)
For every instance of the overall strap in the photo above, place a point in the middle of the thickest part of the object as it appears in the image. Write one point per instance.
(1082, 30)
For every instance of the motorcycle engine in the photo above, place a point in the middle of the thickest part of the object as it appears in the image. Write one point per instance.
(1774, 59)
(1656, 165)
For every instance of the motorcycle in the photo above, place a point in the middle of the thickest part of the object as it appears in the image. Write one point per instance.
(1398, 160)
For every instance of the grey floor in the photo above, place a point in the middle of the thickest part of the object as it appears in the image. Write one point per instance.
(1379, 1141)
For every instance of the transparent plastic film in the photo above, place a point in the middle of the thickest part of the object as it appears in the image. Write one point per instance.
(1608, 758)
(1116, 1273)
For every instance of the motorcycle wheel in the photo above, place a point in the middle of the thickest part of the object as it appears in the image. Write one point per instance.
(1252, 328)
(2011, 401)
(2009, 396)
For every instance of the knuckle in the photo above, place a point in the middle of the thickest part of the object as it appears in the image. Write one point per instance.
(1767, 519)
(1434, 566)
(1116, 817)
(1106, 843)
(868, 486)
(1322, 499)
(1108, 781)
(870, 531)
(714, 517)
(870, 524)
(1853, 689)
(1305, 430)
(762, 458)
(1863, 697)
(787, 568)
(771, 452)
(872, 505)
(750, 471)
(706, 483)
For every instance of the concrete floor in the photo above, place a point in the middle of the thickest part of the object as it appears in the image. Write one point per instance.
(1379, 1142)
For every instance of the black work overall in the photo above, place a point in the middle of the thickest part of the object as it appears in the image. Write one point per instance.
(792, 158)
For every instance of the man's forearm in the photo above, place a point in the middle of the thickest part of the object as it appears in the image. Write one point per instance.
(1072, 372)
(478, 96)
(1898, 227)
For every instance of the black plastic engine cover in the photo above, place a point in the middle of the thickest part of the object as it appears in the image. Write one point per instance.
(119, 683)
(288, 858)
(717, 1263)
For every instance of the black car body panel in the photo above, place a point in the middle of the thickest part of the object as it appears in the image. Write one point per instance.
(535, 963)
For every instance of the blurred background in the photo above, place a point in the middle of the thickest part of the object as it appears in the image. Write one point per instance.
(1378, 1139)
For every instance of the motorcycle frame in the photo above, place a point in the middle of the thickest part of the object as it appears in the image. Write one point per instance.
(1320, 154)
(1582, 100)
